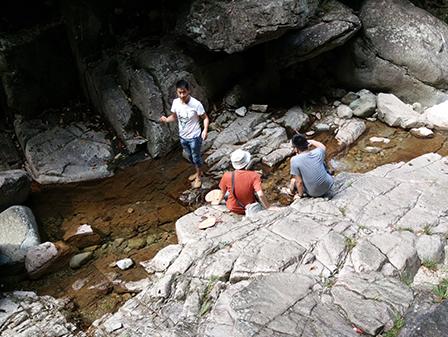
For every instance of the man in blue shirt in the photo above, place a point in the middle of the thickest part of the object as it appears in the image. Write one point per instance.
(308, 171)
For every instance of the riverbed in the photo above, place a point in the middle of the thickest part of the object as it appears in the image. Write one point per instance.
(135, 213)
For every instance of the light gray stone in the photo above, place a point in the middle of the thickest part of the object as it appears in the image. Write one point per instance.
(366, 257)
(241, 111)
(350, 131)
(436, 116)
(430, 248)
(53, 152)
(344, 111)
(162, 260)
(394, 112)
(79, 259)
(125, 263)
(294, 118)
(18, 233)
(422, 132)
(330, 250)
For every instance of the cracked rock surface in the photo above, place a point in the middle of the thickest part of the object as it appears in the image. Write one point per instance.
(57, 154)
(315, 268)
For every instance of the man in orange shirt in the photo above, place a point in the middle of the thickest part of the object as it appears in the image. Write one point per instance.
(241, 185)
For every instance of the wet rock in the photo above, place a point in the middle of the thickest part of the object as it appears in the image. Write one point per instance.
(46, 257)
(365, 105)
(18, 233)
(344, 111)
(82, 236)
(422, 132)
(234, 26)
(136, 243)
(53, 152)
(379, 140)
(388, 28)
(430, 248)
(79, 259)
(125, 264)
(9, 157)
(394, 112)
(437, 116)
(294, 118)
(15, 186)
(372, 149)
(350, 131)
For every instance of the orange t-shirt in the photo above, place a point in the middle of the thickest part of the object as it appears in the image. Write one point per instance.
(246, 184)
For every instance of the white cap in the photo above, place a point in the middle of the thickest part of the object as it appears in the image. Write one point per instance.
(240, 159)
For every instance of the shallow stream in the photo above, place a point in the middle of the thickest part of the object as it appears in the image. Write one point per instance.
(135, 212)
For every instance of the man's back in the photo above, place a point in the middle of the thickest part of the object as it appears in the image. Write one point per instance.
(310, 166)
(246, 184)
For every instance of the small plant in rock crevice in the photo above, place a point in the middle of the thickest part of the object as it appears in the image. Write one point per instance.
(206, 300)
(430, 264)
(441, 290)
(427, 229)
(350, 243)
(395, 330)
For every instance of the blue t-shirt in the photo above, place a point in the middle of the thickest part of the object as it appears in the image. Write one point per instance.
(310, 166)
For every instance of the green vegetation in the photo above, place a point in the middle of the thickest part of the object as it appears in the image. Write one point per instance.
(406, 279)
(406, 229)
(431, 265)
(427, 230)
(398, 324)
(350, 243)
(206, 299)
(441, 291)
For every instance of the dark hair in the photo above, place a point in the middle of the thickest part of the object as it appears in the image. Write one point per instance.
(299, 141)
(182, 84)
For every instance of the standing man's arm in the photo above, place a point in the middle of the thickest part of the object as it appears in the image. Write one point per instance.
(206, 123)
(169, 119)
(315, 143)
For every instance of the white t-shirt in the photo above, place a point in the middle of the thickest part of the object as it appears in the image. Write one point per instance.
(188, 117)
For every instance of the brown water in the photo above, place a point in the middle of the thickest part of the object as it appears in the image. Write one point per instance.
(139, 206)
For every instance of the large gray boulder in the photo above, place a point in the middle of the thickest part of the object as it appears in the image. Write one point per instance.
(68, 154)
(18, 233)
(393, 112)
(233, 26)
(15, 186)
(402, 50)
(333, 25)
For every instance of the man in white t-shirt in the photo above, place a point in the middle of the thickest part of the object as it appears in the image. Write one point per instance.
(187, 110)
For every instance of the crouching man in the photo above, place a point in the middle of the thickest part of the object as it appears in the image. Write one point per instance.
(242, 187)
(308, 171)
